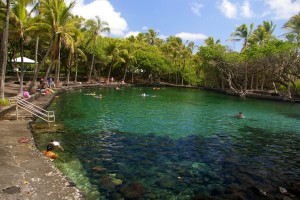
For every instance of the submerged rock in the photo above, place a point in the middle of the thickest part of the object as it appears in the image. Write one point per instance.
(99, 169)
(258, 191)
(133, 191)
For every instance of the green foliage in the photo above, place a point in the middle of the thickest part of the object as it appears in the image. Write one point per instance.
(4, 102)
(282, 88)
(150, 59)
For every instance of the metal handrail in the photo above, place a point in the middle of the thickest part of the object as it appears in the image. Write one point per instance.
(35, 110)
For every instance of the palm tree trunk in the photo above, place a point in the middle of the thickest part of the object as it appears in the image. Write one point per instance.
(76, 66)
(41, 64)
(108, 77)
(126, 67)
(22, 67)
(92, 68)
(69, 68)
(3, 50)
(36, 66)
(246, 78)
(58, 62)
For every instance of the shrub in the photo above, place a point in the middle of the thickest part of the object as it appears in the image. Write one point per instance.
(4, 102)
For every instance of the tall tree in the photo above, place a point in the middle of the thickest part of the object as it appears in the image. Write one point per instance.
(262, 33)
(151, 37)
(293, 24)
(3, 49)
(129, 54)
(242, 33)
(95, 27)
(57, 19)
(113, 52)
(210, 41)
(21, 16)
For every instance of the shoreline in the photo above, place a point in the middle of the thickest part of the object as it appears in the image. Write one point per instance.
(27, 173)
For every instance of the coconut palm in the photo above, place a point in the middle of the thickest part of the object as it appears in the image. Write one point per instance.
(95, 28)
(293, 24)
(114, 55)
(262, 32)
(57, 19)
(151, 37)
(21, 18)
(242, 33)
(129, 54)
(210, 41)
(72, 43)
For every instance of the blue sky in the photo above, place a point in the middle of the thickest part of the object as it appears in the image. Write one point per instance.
(192, 20)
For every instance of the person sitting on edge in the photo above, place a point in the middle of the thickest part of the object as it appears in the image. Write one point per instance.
(240, 115)
(50, 147)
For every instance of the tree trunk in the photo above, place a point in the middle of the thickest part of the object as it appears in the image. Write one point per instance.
(246, 78)
(262, 83)
(58, 62)
(108, 77)
(126, 67)
(92, 68)
(3, 50)
(256, 84)
(76, 66)
(22, 66)
(289, 90)
(132, 77)
(69, 67)
(36, 69)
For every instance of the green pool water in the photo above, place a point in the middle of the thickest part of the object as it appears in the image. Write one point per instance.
(173, 143)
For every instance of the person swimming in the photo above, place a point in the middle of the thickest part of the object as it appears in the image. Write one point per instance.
(239, 115)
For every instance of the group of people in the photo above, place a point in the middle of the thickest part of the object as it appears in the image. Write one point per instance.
(47, 86)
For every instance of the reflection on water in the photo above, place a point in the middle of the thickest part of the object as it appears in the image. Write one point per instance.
(180, 144)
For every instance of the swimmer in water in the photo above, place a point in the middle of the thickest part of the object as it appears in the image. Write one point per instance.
(239, 115)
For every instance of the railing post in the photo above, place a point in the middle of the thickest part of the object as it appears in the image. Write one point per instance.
(17, 109)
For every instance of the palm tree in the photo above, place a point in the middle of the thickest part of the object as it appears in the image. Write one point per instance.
(129, 54)
(113, 51)
(262, 33)
(242, 33)
(210, 41)
(3, 49)
(57, 19)
(21, 17)
(293, 25)
(95, 27)
(72, 43)
(151, 37)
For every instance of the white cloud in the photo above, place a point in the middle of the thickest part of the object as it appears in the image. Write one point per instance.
(246, 10)
(228, 9)
(196, 8)
(283, 9)
(236, 10)
(191, 36)
(131, 33)
(106, 12)
(163, 37)
(145, 28)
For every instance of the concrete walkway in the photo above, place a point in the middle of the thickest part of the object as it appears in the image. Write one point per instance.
(25, 172)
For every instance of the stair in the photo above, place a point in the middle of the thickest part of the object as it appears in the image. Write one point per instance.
(25, 110)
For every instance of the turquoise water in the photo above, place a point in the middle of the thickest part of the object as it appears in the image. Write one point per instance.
(174, 143)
